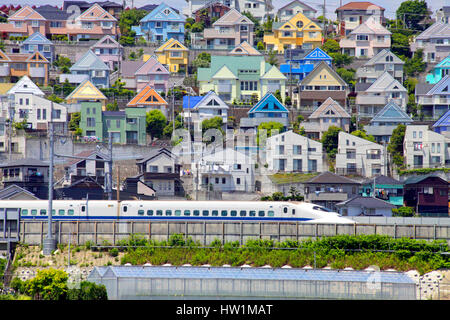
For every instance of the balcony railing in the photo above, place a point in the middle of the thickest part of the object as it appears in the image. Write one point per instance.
(349, 171)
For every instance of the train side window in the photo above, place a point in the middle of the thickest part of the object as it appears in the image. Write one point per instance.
(178, 212)
(205, 213)
(159, 212)
(149, 212)
(53, 212)
(261, 213)
(70, 212)
(25, 212)
(285, 210)
(83, 208)
(43, 212)
(61, 212)
(243, 213)
(233, 213)
(293, 211)
(252, 213)
(215, 213)
(187, 212)
(33, 212)
(270, 213)
(168, 212)
(125, 208)
(141, 212)
(224, 213)
(196, 212)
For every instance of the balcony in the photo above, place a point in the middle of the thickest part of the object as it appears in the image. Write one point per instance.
(217, 34)
(433, 100)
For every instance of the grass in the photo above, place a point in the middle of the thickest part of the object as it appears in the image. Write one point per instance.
(282, 178)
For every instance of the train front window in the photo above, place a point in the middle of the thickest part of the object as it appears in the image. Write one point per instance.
(321, 209)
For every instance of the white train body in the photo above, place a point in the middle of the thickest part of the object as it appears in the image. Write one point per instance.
(66, 210)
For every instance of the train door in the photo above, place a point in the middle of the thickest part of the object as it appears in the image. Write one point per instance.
(83, 210)
(124, 209)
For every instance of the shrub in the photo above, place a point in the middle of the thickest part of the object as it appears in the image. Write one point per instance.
(88, 291)
(114, 252)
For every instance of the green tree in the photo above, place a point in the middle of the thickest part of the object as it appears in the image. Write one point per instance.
(203, 60)
(348, 75)
(156, 121)
(330, 140)
(340, 60)
(414, 66)
(272, 58)
(48, 284)
(213, 123)
(269, 126)
(331, 46)
(260, 46)
(395, 146)
(129, 18)
(198, 27)
(362, 134)
(112, 106)
(412, 12)
(403, 212)
(400, 45)
(63, 64)
(74, 122)
(88, 291)
(53, 97)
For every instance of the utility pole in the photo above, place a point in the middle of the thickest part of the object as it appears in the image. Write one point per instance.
(325, 20)
(11, 121)
(173, 108)
(110, 165)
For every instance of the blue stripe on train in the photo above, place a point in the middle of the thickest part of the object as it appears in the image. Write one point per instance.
(56, 218)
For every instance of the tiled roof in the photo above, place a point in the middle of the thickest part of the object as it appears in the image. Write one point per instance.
(233, 17)
(53, 13)
(383, 180)
(89, 61)
(301, 4)
(366, 202)
(437, 30)
(86, 91)
(147, 96)
(329, 177)
(391, 113)
(328, 105)
(362, 5)
(371, 26)
(25, 162)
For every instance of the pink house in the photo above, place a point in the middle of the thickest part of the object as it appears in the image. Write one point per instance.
(109, 50)
(138, 74)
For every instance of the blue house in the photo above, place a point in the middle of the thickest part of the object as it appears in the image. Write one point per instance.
(268, 109)
(440, 71)
(443, 124)
(300, 62)
(161, 24)
(38, 42)
(90, 67)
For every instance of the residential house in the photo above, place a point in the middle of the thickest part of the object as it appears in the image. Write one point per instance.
(297, 31)
(38, 42)
(88, 67)
(210, 12)
(358, 156)
(268, 109)
(160, 170)
(29, 105)
(291, 152)
(366, 40)
(126, 127)
(442, 126)
(386, 188)
(13, 66)
(138, 74)
(260, 9)
(328, 189)
(443, 14)
(353, 14)
(29, 174)
(173, 55)
(439, 71)
(111, 7)
(384, 61)
(94, 165)
(14, 192)
(86, 92)
(161, 24)
(434, 41)
(225, 170)
(427, 194)
(434, 99)
(198, 109)
(424, 148)
(300, 62)
(385, 121)
(239, 78)
(244, 49)
(149, 99)
(329, 113)
(109, 50)
(229, 31)
(86, 188)
(288, 11)
(319, 85)
(372, 97)
(365, 206)
(23, 22)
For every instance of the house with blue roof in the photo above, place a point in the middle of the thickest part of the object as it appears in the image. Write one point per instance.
(161, 24)
(199, 108)
(386, 120)
(300, 62)
(439, 71)
(443, 124)
(268, 109)
(38, 42)
(434, 98)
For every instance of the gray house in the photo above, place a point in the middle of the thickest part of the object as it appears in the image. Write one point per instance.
(365, 206)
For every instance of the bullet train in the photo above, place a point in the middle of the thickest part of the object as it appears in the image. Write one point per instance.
(176, 210)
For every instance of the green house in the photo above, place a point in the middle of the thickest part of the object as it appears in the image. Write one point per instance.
(126, 127)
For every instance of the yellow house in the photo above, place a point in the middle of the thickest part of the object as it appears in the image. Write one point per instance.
(86, 91)
(297, 31)
(174, 55)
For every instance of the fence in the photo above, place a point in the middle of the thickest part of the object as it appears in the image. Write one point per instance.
(111, 232)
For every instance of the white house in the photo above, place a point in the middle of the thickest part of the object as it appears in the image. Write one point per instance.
(92, 165)
(291, 152)
(424, 148)
(359, 156)
(365, 206)
(288, 11)
(225, 170)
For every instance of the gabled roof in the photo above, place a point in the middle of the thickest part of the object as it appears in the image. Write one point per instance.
(329, 177)
(383, 180)
(210, 100)
(380, 57)
(366, 202)
(329, 109)
(320, 67)
(152, 66)
(156, 152)
(26, 85)
(86, 91)
(172, 44)
(245, 49)
(437, 30)
(147, 97)
(13, 190)
(163, 13)
(391, 113)
(24, 162)
(360, 5)
(443, 121)
(233, 17)
(224, 73)
(89, 61)
(420, 178)
(274, 73)
(96, 12)
(89, 154)
(386, 82)
(371, 26)
(189, 102)
(304, 5)
(444, 63)
(317, 54)
(26, 13)
(107, 42)
(37, 37)
(308, 24)
(442, 87)
(268, 103)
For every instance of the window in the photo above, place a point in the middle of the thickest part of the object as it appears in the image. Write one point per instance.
(83, 208)
(270, 213)
(215, 213)
(224, 213)
(43, 212)
(168, 212)
(261, 213)
(178, 212)
(299, 24)
(252, 213)
(187, 212)
(33, 212)
(196, 213)
(233, 213)
(61, 212)
(238, 180)
(70, 212)
(205, 213)
(125, 208)
(242, 213)
(25, 212)
(362, 37)
(90, 122)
